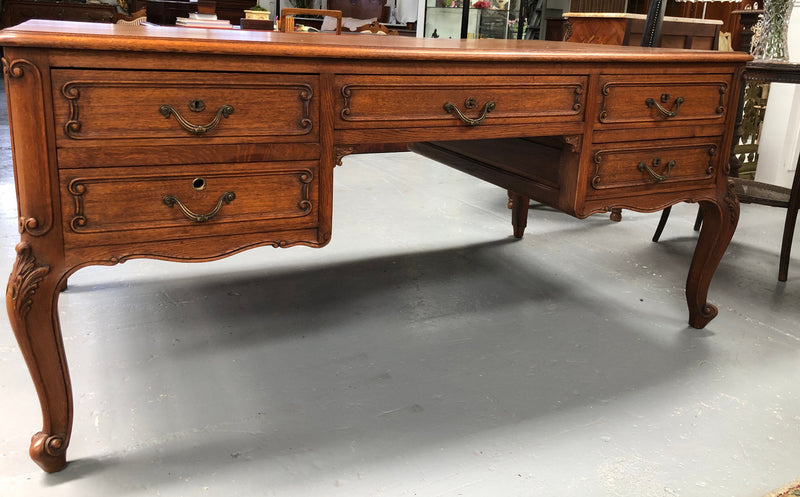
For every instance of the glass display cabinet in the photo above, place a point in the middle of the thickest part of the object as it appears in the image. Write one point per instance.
(472, 18)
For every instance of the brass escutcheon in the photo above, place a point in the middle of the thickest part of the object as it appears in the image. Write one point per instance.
(197, 105)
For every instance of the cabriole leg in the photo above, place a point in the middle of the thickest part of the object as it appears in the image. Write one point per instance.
(719, 222)
(31, 301)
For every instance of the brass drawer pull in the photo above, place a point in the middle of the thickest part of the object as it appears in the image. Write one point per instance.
(657, 163)
(197, 129)
(651, 102)
(469, 103)
(226, 198)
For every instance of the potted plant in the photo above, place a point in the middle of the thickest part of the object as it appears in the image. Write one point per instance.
(257, 12)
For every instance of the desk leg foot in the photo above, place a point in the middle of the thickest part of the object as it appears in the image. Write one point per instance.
(719, 223)
(31, 301)
(49, 452)
(519, 213)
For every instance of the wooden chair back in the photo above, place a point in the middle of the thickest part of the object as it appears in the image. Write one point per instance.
(287, 18)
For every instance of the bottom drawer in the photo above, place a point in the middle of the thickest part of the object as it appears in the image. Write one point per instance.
(652, 166)
(104, 205)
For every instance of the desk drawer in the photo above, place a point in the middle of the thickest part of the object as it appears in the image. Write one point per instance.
(653, 167)
(413, 101)
(188, 108)
(663, 99)
(145, 203)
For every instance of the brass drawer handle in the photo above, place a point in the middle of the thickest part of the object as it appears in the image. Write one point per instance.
(470, 103)
(657, 163)
(226, 198)
(651, 102)
(197, 129)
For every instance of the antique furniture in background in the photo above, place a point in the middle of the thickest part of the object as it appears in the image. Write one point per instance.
(191, 145)
(376, 28)
(466, 19)
(137, 17)
(287, 17)
(627, 29)
(17, 11)
(366, 10)
(714, 9)
(754, 104)
(165, 11)
(763, 71)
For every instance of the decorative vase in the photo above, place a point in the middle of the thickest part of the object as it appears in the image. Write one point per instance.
(771, 44)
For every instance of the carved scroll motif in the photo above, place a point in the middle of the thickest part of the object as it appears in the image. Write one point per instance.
(24, 281)
(578, 98)
(15, 69)
(78, 219)
(597, 159)
(305, 204)
(723, 90)
(305, 95)
(71, 92)
(712, 152)
(340, 153)
(29, 225)
(50, 444)
(606, 91)
(732, 202)
(347, 92)
(574, 142)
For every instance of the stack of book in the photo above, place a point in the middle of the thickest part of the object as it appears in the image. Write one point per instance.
(196, 20)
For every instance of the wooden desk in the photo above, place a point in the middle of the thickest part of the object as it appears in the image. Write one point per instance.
(191, 145)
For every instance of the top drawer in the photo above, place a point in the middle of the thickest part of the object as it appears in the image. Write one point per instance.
(414, 101)
(183, 107)
(663, 99)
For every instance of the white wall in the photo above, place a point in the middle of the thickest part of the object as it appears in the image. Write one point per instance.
(780, 137)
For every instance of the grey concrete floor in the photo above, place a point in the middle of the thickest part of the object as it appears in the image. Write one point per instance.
(424, 352)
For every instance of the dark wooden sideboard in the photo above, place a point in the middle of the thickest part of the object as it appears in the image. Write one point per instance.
(191, 145)
(627, 29)
(17, 11)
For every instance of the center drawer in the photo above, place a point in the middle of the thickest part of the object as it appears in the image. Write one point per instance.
(129, 204)
(457, 101)
(183, 108)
